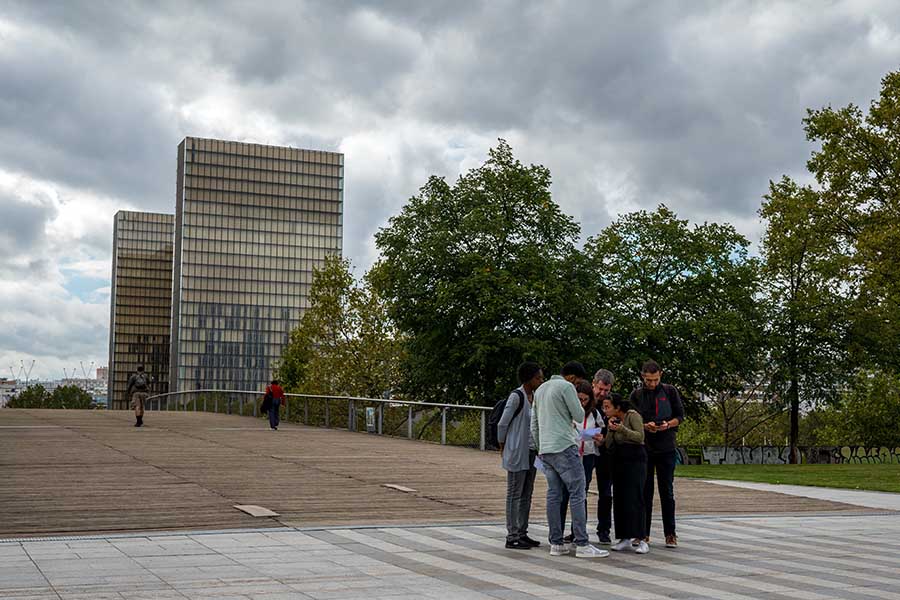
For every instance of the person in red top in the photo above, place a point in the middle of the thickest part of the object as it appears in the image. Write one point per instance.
(276, 398)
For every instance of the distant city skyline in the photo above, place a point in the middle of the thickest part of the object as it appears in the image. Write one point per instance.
(697, 105)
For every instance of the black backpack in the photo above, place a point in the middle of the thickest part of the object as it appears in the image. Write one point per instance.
(496, 413)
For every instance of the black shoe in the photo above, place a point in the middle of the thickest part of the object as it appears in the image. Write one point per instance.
(603, 538)
(519, 545)
(529, 541)
(569, 539)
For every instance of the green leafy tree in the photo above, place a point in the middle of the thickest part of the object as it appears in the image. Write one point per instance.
(806, 295)
(481, 275)
(71, 397)
(858, 173)
(345, 343)
(871, 410)
(681, 295)
(34, 396)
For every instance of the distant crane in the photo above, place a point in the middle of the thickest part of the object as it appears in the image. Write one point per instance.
(28, 372)
(89, 370)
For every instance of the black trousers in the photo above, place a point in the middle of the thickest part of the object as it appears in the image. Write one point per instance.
(629, 469)
(603, 466)
(663, 463)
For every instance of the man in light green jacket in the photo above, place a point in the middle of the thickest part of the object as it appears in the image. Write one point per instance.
(555, 411)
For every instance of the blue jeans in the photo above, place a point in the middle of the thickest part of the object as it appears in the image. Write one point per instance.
(273, 412)
(564, 470)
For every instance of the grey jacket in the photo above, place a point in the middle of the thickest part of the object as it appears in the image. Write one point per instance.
(516, 433)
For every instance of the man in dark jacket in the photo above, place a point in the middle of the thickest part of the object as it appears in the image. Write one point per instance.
(661, 407)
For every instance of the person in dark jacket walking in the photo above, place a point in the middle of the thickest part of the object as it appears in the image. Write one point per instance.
(661, 408)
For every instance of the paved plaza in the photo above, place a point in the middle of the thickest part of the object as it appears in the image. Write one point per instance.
(93, 508)
(790, 557)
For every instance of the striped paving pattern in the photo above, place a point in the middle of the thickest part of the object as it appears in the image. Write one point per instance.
(797, 557)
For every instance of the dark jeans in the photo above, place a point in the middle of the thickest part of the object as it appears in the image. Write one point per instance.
(588, 462)
(273, 413)
(604, 490)
(629, 472)
(664, 465)
(519, 488)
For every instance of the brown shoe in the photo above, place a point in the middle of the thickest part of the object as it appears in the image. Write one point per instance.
(671, 541)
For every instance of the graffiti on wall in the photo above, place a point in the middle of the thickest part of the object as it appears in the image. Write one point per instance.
(780, 455)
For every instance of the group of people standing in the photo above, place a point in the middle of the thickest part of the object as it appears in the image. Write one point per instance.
(572, 429)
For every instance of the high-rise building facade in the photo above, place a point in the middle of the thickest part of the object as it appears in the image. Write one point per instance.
(140, 301)
(252, 222)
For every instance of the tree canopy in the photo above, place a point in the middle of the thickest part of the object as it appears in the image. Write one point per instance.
(481, 275)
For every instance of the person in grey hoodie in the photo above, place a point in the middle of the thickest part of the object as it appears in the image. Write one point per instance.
(518, 453)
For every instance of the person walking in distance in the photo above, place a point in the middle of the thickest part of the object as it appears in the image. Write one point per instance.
(276, 398)
(138, 388)
(556, 408)
(662, 410)
(518, 453)
(602, 384)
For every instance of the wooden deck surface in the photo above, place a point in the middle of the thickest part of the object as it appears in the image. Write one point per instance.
(67, 472)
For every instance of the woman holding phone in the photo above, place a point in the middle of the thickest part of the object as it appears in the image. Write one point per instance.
(625, 442)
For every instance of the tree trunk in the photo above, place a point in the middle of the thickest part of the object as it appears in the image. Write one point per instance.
(794, 456)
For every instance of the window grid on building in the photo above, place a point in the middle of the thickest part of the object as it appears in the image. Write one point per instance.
(252, 222)
(140, 301)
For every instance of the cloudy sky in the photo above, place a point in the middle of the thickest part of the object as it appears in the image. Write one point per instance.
(629, 104)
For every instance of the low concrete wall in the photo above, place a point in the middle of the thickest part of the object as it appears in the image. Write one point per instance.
(779, 455)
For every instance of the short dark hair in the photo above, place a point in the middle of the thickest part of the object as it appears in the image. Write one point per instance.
(619, 402)
(575, 368)
(650, 367)
(274, 382)
(140, 367)
(527, 371)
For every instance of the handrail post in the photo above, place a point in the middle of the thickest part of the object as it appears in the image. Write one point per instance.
(195, 405)
(380, 418)
(255, 408)
(287, 409)
(241, 405)
(204, 403)
(409, 423)
(481, 445)
(306, 412)
(217, 403)
(327, 415)
(351, 416)
(443, 425)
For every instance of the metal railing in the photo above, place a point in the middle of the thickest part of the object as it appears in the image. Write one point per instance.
(457, 422)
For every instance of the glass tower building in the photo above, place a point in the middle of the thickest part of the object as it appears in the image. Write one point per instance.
(252, 222)
(140, 301)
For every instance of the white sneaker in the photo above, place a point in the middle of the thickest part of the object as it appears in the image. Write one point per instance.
(642, 548)
(590, 551)
(559, 549)
(622, 545)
